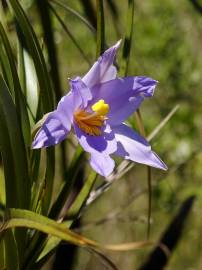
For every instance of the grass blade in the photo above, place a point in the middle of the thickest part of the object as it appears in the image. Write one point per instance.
(2, 254)
(24, 218)
(17, 180)
(128, 39)
(72, 214)
(11, 142)
(11, 254)
(100, 28)
(76, 14)
(46, 90)
(162, 123)
(43, 9)
(16, 88)
(89, 11)
(71, 174)
(68, 32)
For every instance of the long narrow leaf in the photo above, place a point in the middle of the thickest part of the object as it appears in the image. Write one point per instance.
(72, 214)
(65, 7)
(46, 90)
(17, 181)
(100, 28)
(43, 9)
(24, 218)
(17, 91)
(127, 39)
(11, 143)
(69, 33)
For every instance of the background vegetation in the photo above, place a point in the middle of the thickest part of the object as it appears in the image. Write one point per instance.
(166, 45)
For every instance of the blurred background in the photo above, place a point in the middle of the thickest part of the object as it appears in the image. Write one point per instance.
(166, 46)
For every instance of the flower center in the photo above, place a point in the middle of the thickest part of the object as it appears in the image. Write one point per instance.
(91, 123)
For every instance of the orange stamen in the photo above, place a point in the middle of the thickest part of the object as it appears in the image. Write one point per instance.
(90, 123)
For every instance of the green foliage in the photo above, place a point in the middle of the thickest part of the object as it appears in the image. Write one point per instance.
(46, 192)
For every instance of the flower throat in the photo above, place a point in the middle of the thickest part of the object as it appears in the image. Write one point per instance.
(92, 122)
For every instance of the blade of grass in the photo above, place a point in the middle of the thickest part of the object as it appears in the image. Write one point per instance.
(5, 69)
(128, 39)
(149, 176)
(14, 157)
(43, 9)
(153, 134)
(115, 16)
(2, 254)
(24, 218)
(21, 68)
(27, 75)
(68, 32)
(89, 11)
(72, 214)
(100, 28)
(71, 174)
(49, 178)
(18, 94)
(104, 260)
(12, 144)
(65, 7)
(11, 254)
(38, 242)
(46, 89)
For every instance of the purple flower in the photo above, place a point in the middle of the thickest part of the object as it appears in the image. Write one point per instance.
(96, 107)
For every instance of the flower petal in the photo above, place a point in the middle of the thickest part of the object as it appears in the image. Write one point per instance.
(134, 147)
(124, 96)
(80, 89)
(103, 70)
(58, 123)
(102, 164)
(52, 131)
(104, 144)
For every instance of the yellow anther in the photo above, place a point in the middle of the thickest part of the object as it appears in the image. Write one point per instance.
(100, 107)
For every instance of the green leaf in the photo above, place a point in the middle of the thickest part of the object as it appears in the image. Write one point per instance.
(25, 218)
(72, 213)
(28, 78)
(2, 254)
(46, 90)
(69, 181)
(49, 178)
(72, 11)
(13, 152)
(5, 68)
(127, 40)
(43, 9)
(69, 33)
(100, 28)
(16, 87)
(11, 254)
(16, 172)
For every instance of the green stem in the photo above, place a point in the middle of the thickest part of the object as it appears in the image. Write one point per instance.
(100, 28)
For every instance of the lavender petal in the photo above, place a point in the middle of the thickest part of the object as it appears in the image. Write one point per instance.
(124, 96)
(103, 70)
(134, 147)
(104, 144)
(102, 164)
(52, 131)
